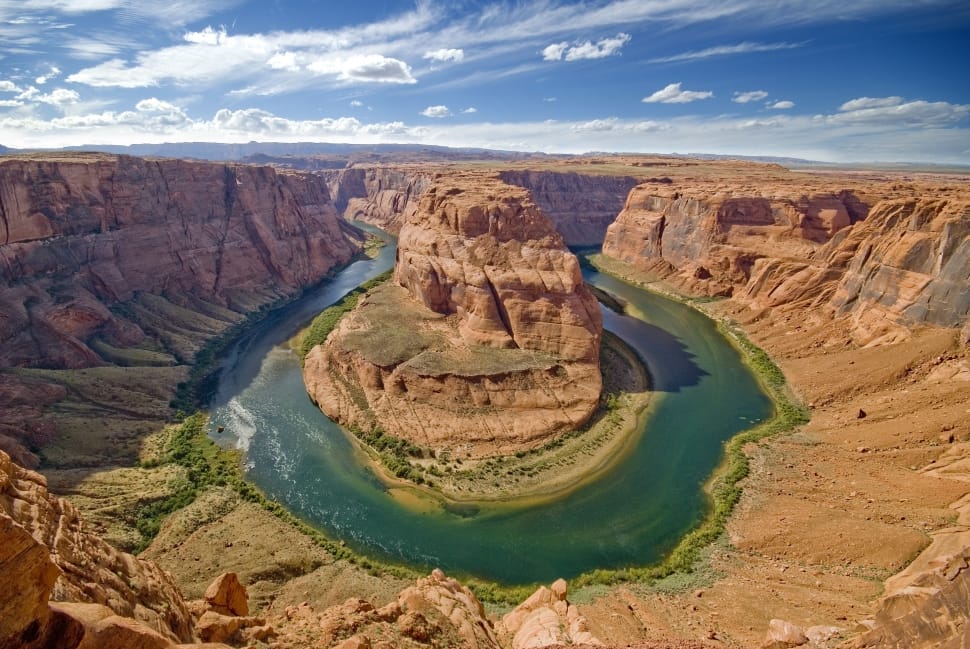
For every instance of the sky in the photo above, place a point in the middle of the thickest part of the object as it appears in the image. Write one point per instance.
(831, 80)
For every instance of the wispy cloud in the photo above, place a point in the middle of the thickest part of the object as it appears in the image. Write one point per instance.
(749, 96)
(673, 94)
(585, 49)
(725, 50)
(781, 105)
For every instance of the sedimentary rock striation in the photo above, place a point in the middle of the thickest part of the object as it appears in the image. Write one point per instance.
(581, 206)
(119, 260)
(79, 234)
(378, 195)
(49, 554)
(487, 341)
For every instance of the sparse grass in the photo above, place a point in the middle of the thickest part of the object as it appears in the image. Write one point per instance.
(324, 323)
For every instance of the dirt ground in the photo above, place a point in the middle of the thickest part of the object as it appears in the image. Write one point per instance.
(829, 511)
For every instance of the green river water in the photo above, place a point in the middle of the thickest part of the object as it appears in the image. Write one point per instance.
(632, 515)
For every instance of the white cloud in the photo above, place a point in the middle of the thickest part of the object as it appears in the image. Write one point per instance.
(8, 86)
(207, 36)
(550, 99)
(44, 78)
(555, 51)
(870, 102)
(374, 68)
(10, 103)
(724, 50)
(672, 94)
(58, 97)
(470, 110)
(445, 54)
(436, 111)
(283, 61)
(782, 105)
(751, 95)
(895, 112)
(586, 49)
(356, 103)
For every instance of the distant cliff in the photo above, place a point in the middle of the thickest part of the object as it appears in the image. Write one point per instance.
(581, 206)
(377, 195)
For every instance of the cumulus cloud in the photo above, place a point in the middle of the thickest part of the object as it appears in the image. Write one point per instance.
(470, 110)
(782, 105)
(10, 103)
(356, 103)
(870, 102)
(751, 95)
(8, 86)
(373, 68)
(58, 97)
(586, 49)
(207, 36)
(436, 111)
(444, 55)
(673, 94)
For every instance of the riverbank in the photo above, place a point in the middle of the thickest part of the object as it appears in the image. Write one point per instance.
(543, 474)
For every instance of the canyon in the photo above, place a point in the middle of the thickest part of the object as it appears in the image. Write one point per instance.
(850, 529)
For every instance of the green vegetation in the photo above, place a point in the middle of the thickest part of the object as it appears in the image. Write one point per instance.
(324, 323)
(206, 465)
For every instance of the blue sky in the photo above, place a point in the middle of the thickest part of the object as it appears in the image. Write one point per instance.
(837, 80)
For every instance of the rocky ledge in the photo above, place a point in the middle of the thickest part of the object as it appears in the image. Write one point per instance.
(487, 340)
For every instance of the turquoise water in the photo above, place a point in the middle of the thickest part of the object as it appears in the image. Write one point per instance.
(632, 515)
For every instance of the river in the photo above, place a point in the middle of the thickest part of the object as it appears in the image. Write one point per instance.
(632, 515)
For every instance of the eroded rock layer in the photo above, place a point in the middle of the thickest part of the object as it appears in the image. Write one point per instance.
(378, 195)
(49, 554)
(487, 341)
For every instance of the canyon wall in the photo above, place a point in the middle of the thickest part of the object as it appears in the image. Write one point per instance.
(119, 260)
(581, 206)
(486, 342)
(377, 195)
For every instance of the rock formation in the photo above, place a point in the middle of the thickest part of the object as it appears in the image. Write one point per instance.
(112, 259)
(713, 235)
(581, 206)
(91, 571)
(487, 310)
(545, 619)
(378, 195)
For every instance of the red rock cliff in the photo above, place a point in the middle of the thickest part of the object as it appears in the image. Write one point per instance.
(486, 343)
(81, 233)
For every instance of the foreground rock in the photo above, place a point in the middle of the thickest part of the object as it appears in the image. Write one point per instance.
(487, 309)
(546, 619)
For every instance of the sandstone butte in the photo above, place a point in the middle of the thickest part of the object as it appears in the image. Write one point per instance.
(864, 307)
(487, 341)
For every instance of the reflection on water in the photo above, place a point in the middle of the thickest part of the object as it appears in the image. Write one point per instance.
(630, 516)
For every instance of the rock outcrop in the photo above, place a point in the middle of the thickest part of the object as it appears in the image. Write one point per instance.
(487, 310)
(907, 264)
(437, 611)
(580, 206)
(90, 570)
(80, 234)
(379, 195)
(546, 619)
(65, 587)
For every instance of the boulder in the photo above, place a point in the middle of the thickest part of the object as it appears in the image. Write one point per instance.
(227, 596)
